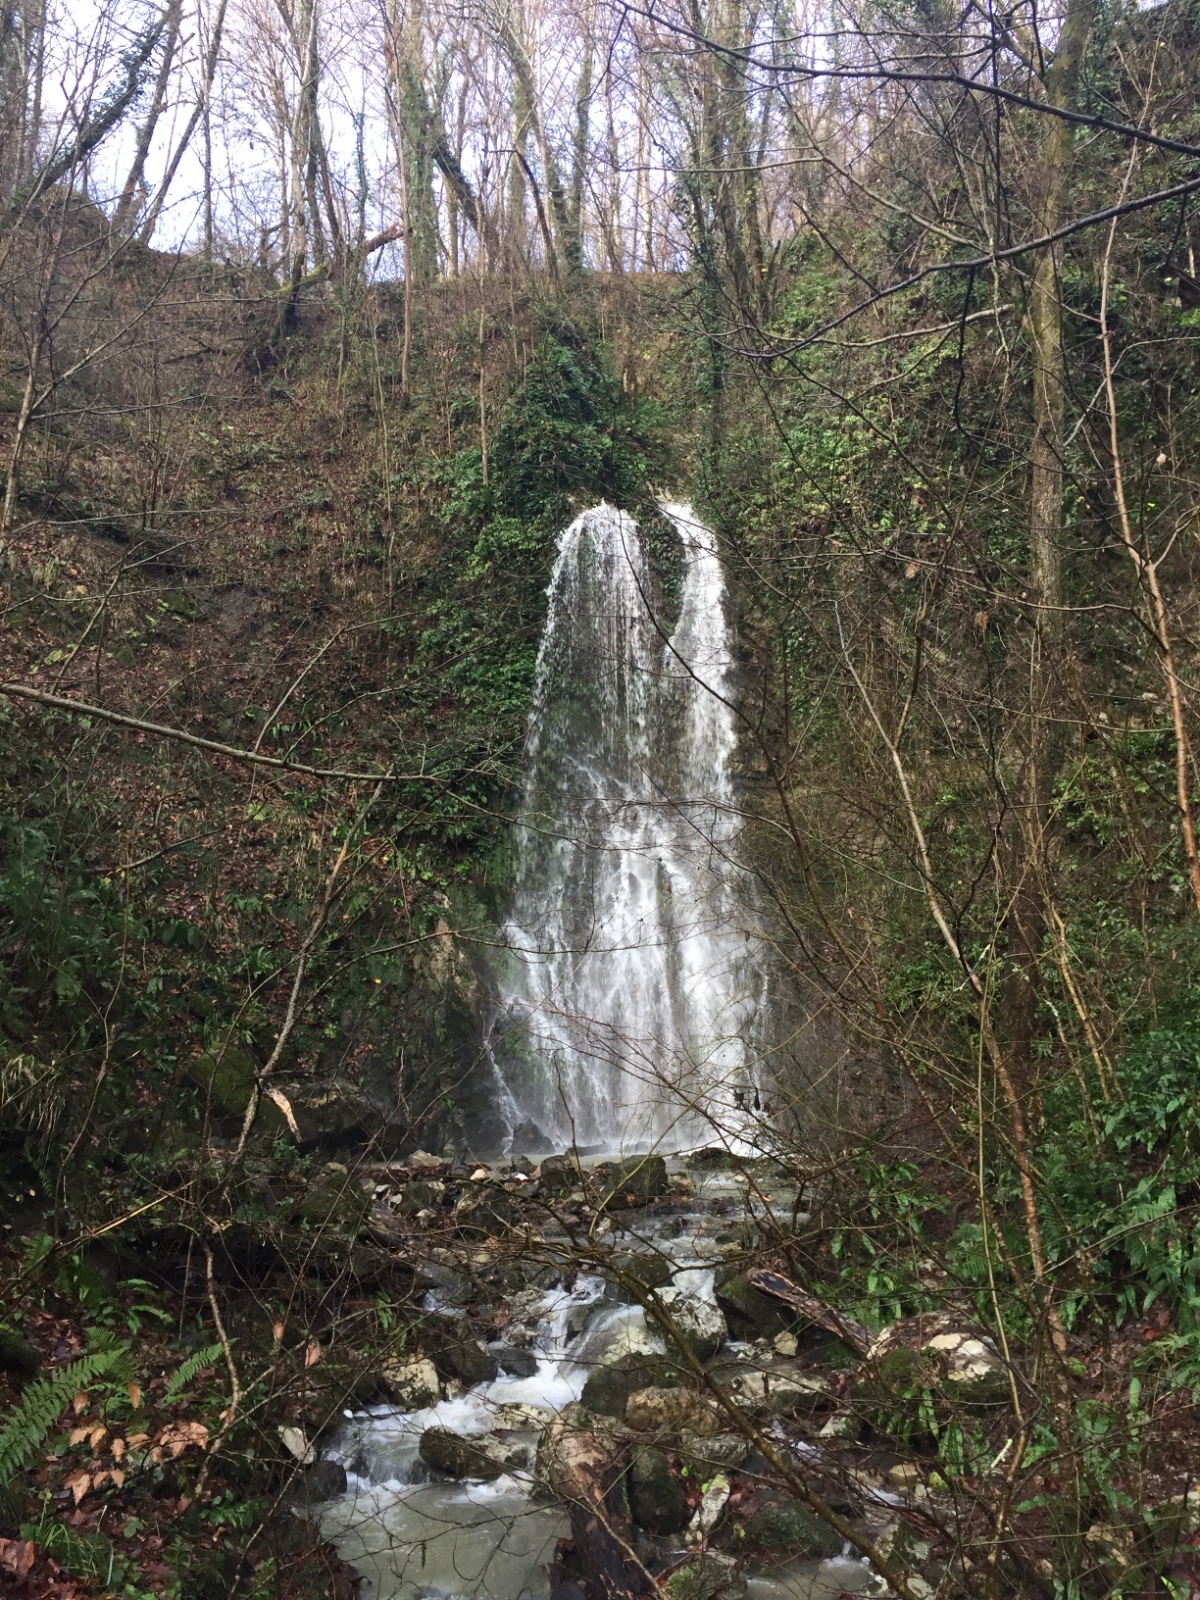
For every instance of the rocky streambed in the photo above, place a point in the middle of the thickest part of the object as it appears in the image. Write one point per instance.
(610, 1396)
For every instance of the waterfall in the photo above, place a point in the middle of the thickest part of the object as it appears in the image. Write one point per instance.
(631, 973)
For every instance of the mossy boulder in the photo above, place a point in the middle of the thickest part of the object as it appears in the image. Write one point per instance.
(226, 1077)
(786, 1528)
(639, 1178)
(608, 1389)
(656, 1496)
(749, 1312)
(707, 1576)
(934, 1351)
(332, 1201)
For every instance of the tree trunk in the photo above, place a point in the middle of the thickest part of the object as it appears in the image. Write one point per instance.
(128, 204)
(1030, 851)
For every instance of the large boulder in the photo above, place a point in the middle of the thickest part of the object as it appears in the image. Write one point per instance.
(609, 1387)
(936, 1352)
(466, 1456)
(656, 1496)
(333, 1115)
(699, 1323)
(668, 1412)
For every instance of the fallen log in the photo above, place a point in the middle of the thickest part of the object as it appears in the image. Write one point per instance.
(585, 1466)
(825, 1316)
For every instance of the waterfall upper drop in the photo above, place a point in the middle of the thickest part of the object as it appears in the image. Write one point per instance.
(632, 973)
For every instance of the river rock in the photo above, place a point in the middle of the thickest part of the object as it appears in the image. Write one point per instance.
(488, 1211)
(842, 1425)
(651, 1271)
(609, 1387)
(789, 1528)
(468, 1360)
(332, 1201)
(411, 1385)
(515, 1361)
(670, 1411)
(463, 1456)
(521, 1417)
(721, 1452)
(698, 1323)
(774, 1391)
(936, 1351)
(656, 1496)
(422, 1161)
(711, 1159)
(451, 1285)
(558, 1175)
(640, 1177)
(749, 1312)
(901, 1545)
(1179, 1516)
(320, 1483)
(707, 1576)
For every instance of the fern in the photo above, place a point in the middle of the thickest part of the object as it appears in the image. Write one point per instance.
(43, 1402)
(189, 1369)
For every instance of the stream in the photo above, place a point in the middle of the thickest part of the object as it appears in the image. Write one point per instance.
(416, 1535)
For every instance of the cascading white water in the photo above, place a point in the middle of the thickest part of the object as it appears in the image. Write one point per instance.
(633, 971)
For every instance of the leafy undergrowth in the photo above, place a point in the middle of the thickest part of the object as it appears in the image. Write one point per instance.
(124, 1472)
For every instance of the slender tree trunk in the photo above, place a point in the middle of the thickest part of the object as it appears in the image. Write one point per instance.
(20, 434)
(1030, 854)
(573, 241)
(128, 204)
(199, 110)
